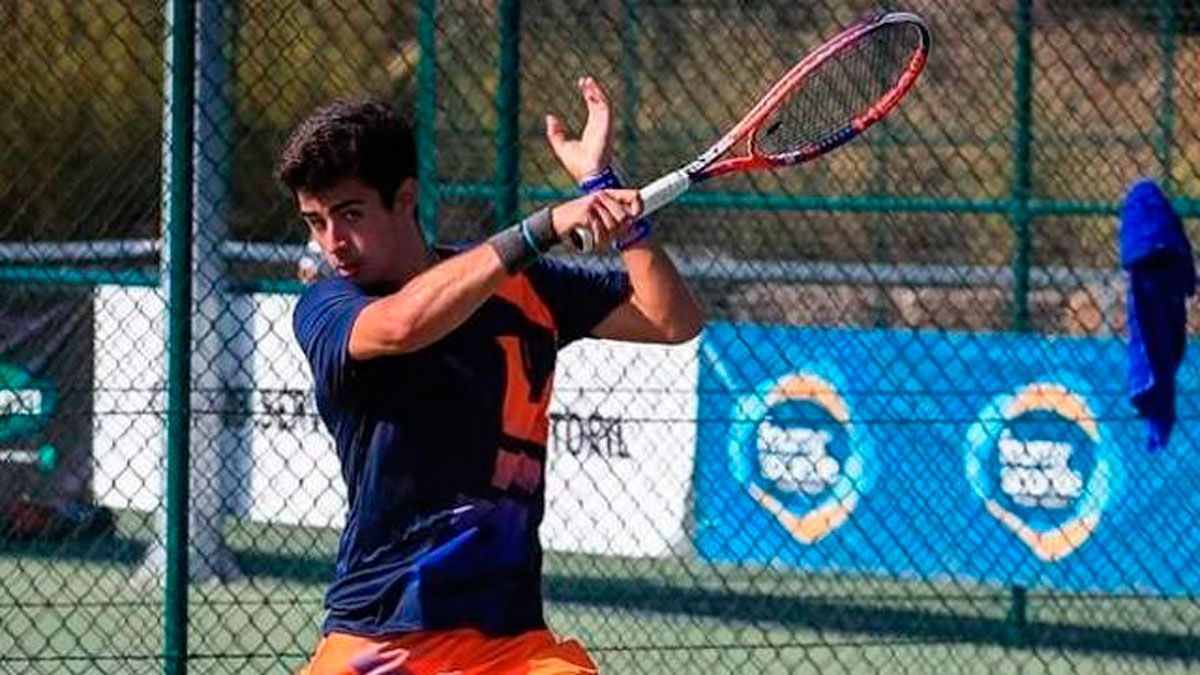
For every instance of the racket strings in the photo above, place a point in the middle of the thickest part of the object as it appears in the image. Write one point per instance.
(840, 89)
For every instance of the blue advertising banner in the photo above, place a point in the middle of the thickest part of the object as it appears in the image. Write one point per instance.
(997, 458)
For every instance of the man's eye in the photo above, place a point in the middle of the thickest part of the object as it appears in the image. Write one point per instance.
(352, 215)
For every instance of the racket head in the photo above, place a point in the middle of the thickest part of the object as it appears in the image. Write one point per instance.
(828, 98)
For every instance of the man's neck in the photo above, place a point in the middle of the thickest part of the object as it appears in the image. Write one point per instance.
(412, 266)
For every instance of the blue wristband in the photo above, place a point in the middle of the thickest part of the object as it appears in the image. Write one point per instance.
(641, 229)
(606, 179)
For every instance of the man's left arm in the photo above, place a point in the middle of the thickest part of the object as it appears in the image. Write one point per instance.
(660, 307)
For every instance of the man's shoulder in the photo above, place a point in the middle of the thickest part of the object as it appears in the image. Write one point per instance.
(325, 290)
(331, 285)
(326, 298)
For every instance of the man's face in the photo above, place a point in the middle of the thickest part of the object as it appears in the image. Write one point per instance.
(361, 239)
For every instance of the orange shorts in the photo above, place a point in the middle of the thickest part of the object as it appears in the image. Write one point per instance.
(461, 652)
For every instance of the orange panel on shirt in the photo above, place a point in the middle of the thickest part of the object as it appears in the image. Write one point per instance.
(519, 291)
(524, 416)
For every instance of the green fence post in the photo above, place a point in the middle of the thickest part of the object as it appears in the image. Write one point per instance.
(880, 230)
(1018, 620)
(1167, 23)
(508, 115)
(178, 151)
(427, 173)
(1020, 215)
(631, 65)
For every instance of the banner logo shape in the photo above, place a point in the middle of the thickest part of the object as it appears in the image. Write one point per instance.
(1042, 465)
(796, 451)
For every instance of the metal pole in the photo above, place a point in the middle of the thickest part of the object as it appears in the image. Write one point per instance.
(508, 115)
(1020, 215)
(177, 207)
(217, 332)
(1168, 16)
(427, 175)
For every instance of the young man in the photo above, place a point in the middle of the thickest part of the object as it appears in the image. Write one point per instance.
(433, 374)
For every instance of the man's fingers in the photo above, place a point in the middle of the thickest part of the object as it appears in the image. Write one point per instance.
(601, 220)
(593, 94)
(607, 214)
(556, 132)
(633, 201)
(612, 215)
(630, 201)
(619, 211)
(599, 122)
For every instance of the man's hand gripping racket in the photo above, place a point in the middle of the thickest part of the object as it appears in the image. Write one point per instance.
(831, 96)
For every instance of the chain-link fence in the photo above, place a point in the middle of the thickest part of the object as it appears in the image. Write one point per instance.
(902, 444)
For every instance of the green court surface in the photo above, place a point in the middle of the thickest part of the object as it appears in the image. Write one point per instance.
(73, 609)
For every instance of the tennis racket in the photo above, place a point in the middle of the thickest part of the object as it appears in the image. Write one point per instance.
(827, 99)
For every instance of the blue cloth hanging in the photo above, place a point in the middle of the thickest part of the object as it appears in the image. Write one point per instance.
(1157, 257)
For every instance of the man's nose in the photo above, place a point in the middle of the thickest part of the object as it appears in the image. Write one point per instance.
(336, 232)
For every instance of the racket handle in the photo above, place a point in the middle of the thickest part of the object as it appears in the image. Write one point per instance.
(654, 196)
(664, 191)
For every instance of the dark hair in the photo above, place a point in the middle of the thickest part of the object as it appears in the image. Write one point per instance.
(350, 139)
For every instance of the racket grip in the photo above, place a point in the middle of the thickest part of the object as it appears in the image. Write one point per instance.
(654, 196)
(664, 191)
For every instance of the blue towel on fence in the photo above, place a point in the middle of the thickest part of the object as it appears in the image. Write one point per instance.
(1161, 276)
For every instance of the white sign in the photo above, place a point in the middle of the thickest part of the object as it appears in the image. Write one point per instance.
(129, 397)
(622, 446)
(621, 450)
(295, 476)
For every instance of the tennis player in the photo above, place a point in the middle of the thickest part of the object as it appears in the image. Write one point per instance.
(433, 373)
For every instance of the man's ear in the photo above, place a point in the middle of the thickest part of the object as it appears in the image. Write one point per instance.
(406, 195)
(404, 207)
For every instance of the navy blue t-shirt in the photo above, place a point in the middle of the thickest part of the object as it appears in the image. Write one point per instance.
(443, 452)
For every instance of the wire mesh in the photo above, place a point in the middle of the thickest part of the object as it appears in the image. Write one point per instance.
(815, 484)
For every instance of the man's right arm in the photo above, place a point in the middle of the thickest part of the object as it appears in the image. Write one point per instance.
(441, 298)
(428, 307)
